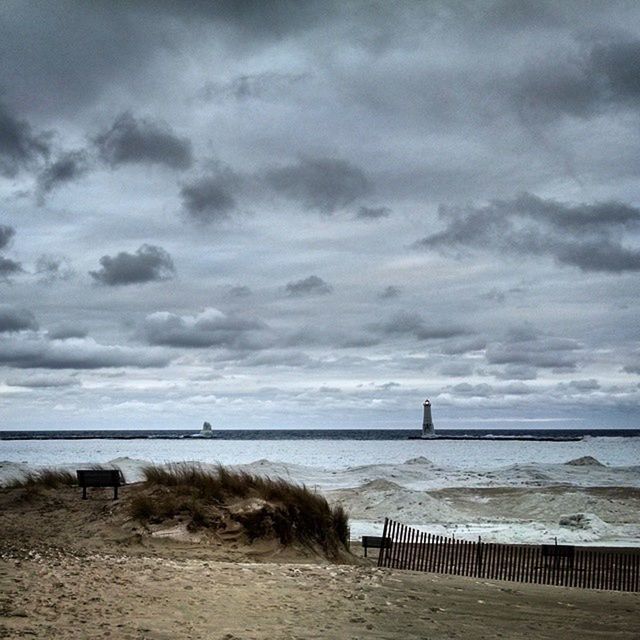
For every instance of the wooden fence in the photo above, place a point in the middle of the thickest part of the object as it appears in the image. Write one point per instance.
(585, 567)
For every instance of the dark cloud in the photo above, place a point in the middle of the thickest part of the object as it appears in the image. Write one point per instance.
(53, 267)
(311, 286)
(43, 382)
(390, 292)
(66, 332)
(411, 324)
(619, 62)
(481, 390)
(38, 353)
(583, 85)
(19, 147)
(131, 140)
(267, 85)
(211, 328)
(585, 235)
(325, 184)
(12, 319)
(67, 167)
(504, 14)
(373, 213)
(210, 198)
(6, 233)
(517, 372)
(9, 267)
(456, 369)
(148, 264)
(463, 345)
(525, 346)
(253, 18)
(579, 386)
(293, 359)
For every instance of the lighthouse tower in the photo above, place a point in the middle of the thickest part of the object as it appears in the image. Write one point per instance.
(427, 422)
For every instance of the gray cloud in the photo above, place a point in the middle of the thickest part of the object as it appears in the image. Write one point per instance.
(12, 319)
(411, 324)
(313, 285)
(582, 85)
(9, 267)
(517, 372)
(43, 382)
(67, 167)
(240, 291)
(463, 345)
(390, 292)
(373, 213)
(6, 234)
(148, 264)
(525, 346)
(456, 369)
(38, 353)
(585, 236)
(19, 147)
(325, 184)
(267, 85)
(211, 328)
(53, 267)
(131, 140)
(66, 332)
(210, 198)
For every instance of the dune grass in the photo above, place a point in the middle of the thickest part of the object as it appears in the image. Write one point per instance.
(290, 511)
(48, 478)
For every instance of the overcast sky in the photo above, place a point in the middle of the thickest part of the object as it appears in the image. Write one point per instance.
(316, 214)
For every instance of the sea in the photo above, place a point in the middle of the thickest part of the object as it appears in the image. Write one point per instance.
(327, 449)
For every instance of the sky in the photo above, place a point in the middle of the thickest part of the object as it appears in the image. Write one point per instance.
(316, 214)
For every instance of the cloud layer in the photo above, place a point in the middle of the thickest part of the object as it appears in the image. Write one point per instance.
(319, 213)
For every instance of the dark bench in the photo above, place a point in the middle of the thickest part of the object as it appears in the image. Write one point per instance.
(558, 555)
(375, 542)
(100, 478)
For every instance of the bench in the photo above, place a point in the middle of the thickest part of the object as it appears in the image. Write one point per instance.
(558, 555)
(100, 478)
(375, 542)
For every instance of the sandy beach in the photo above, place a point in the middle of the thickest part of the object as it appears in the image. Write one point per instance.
(84, 569)
(50, 594)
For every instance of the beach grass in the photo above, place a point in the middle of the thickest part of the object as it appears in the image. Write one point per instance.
(48, 478)
(290, 511)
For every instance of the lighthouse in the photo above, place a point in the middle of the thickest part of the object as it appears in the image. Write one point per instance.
(427, 422)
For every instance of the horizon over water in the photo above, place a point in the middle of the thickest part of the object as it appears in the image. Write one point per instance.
(303, 434)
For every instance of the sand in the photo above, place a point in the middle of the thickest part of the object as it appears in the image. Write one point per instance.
(83, 569)
(52, 595)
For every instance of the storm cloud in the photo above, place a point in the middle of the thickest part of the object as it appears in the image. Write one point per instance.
(325, 184)
(20, 148)
(131, 140)
(6, 233)
(67, 167)
(210, 198)
(148, 264)
(9, 267)
(12, 319)
(528, 347)
(411, 324)
(310, 286)
(584, 84)
(85, 353)
(586, 236)
(251, 205)
(211, 328)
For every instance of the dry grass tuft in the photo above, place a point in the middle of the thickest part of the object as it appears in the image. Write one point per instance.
(291, 512)
(45, 478)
